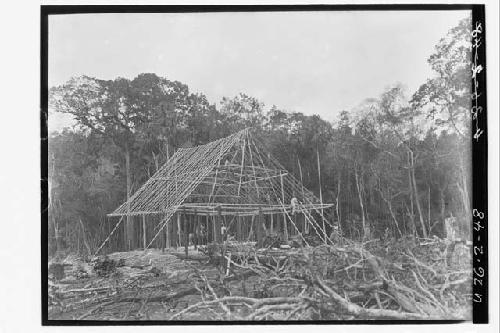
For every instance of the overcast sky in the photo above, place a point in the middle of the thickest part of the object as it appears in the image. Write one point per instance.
(312, 62)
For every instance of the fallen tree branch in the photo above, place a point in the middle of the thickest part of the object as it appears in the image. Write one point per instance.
(357, 310)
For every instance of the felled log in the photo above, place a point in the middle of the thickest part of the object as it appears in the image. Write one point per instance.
(357, 310)
(161, 296)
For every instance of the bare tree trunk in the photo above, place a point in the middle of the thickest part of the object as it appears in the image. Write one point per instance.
(155, 159)
(442, 200)
(56, 234)
(410, 184)
(366, 229)
(85, 239)
(464, 193)
(417, 200)
(52, 205)
(306, 225)
(404, 220)
(389, 204)
(388, 201)
(320, 192)
(429, 207)
(130, 231)
(285, 222)
(337, 203)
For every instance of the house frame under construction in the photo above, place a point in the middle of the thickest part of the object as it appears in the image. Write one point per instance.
(231, 186)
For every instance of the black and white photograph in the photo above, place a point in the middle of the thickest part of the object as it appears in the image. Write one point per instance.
(264, 165)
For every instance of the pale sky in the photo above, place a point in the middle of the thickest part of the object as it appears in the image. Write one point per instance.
(311, 62)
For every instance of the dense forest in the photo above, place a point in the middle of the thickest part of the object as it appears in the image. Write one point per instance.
(397, 164)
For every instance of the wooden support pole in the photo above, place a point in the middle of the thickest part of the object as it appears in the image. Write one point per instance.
(144, 244)
(179, 230)
(186, 233)
(125, 237)
(167, 234)
(207, 229)
(136, 241)
(248, 227)
(306, 224)
(204, 234)
(195, 230)
(170, 228)
(173, 231)
(259, 229)
(239, 228)
(277, 226)
(251, 232)
(295, 220)
(164, 234)
(213, 218)
(218, 220)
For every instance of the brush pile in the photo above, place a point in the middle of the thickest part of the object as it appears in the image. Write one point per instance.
(404, 280)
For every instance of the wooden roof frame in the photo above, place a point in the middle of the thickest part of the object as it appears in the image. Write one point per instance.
(206, 179)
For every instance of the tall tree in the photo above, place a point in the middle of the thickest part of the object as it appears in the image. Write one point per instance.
(447, 98)
(140, 117)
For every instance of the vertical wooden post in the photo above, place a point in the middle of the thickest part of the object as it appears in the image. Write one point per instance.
(244, 228)
(173, 231)
(136, 242)
(304, 223)
(144, 232)
(239, 228)
(170, 229)
(249, 227)
(167, 233)
(259, 229)
(179, 230)
(295, 220)
(214, 217)
(218, 236)
(125, 237)
(285, 227)
(163, 236)
(186, 232)
(208, 228)
(272, 223)
(277, 226)
(206, 222)
(195, 229)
